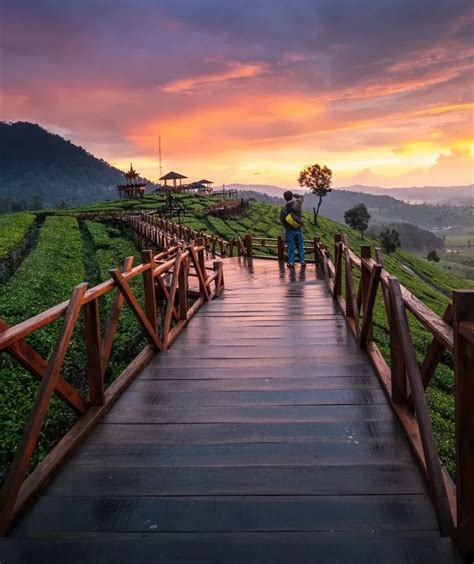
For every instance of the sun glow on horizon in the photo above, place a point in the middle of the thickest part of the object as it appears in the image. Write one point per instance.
(239, 96)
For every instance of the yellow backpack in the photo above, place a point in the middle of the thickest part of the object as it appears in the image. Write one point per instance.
(291, 221)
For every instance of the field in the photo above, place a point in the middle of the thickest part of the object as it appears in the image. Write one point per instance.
(71, 250)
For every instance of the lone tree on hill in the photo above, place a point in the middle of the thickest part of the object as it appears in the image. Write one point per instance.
(318, 179)
(433, 256)
(358, 218)
(390, 240)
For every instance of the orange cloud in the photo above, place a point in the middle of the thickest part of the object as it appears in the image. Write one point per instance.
(233, 72)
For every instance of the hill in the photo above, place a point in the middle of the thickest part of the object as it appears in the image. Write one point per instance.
(450, 195)
(91, 247)
(412, 238)
(36, 164)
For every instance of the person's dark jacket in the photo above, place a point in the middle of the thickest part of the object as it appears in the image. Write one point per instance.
(295, 207)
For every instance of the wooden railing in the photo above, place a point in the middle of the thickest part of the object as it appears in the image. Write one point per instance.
(177, 277)
(228, 208)
(254, 245)
(405, 380)
(163, 233)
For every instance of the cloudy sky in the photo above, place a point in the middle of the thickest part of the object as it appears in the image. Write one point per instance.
(250, 91)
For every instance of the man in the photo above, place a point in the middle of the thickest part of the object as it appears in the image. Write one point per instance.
(291, 219)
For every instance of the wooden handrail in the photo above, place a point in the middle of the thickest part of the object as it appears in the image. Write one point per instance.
(17, 490)
(454, 332)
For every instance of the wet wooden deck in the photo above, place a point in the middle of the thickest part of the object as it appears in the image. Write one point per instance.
(263, 435)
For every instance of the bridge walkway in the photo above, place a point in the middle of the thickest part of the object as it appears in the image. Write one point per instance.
(262, 435)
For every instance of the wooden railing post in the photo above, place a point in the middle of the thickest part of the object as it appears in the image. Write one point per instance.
(365, 276)
(337, 265)
(201, 257)
(218, 267)
(183, 288)
(150, 293)
(433, 465)
(463, 303)
(248, 245)
(95, 371)
(317, 258)
(281, 249)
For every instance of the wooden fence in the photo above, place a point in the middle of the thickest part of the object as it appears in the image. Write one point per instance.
(228, 208)
(164, 233)
(256, 246)
(405, 380)
(177, 276)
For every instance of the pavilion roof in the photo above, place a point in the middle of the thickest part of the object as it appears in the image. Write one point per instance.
(172, 176)
(204, 181)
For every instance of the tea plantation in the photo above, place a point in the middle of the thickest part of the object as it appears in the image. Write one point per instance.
(70, 250)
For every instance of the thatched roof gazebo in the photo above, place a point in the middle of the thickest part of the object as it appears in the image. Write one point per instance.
(174, 176)
(205, 182)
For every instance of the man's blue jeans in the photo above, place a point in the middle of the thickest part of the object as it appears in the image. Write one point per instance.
(294, 237)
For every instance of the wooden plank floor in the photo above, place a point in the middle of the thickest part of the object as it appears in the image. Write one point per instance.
(263, 435)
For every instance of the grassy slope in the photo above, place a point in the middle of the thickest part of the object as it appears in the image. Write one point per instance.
(13, 228)
(426, 280)
(106, 249)
(46, 277)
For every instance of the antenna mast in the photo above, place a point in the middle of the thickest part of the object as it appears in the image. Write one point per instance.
(159, 152)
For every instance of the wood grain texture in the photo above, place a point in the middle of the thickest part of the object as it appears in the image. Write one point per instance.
(260, 430)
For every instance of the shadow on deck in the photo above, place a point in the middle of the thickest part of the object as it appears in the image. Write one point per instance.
(262, 435)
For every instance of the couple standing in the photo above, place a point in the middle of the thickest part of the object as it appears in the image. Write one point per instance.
(291, 219)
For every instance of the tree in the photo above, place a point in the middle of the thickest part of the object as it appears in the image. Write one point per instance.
(390, 240)
(318, 179)
(433, 256)
(36, 202)
(358, 218)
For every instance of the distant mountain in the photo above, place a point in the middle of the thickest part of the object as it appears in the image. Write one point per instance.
(412, 238)
(444, 195)
(37, 164)
(258, 188)
(441, 220)
(449, 195)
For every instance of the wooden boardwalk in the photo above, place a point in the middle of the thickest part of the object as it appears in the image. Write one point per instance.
(262, 435)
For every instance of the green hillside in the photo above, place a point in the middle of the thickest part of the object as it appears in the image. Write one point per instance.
(89, 248)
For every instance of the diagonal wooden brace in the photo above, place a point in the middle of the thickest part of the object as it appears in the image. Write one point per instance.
(29, 439)
(166, 295)
(132, 301)
(369, 306)
(171, 297)
(37, 366)
(112, 323)
(200, 274)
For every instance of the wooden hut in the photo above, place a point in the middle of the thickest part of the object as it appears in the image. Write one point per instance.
(174, 177)
(134, 187)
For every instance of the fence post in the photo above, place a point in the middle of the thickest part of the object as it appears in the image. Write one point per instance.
(93, 351)
(183, 288)
(365, 275)
(463, 326)
(337, 265)
(281, 249)
(149, 287)
(248, 245)
(201, 258)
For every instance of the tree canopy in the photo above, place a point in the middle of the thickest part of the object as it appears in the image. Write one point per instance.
(318, 179)
(358, 218)
(390, 240)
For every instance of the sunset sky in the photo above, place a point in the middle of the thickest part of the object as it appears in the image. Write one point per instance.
(250, 91)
